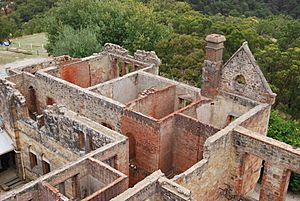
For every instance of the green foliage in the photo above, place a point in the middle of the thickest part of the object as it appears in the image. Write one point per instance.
(127, 23)
(176, 32)
(8, 27)
(25, 10)
(182, 58)
(282, 69)
(287, 131)
(259, 8)
(76, 43)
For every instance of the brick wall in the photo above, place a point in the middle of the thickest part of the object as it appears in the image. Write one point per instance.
(77, 73)
(190, 136)
(146, 135)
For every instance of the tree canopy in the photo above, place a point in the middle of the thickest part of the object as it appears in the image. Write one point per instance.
(127, 23)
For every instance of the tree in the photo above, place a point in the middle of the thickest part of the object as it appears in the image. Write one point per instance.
(76, 43)
(288, 131)
(127, 23)
(8, 27)
(182, 58)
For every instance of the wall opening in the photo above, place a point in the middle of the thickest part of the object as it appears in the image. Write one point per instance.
(81, 141)
(46, 166)
(182, 102)
(107, 125)
(253, 167)
(112, 161)
(240, 79)
(33, 159)
(32, 103)
(229, 119)
(50, 101)
(132, 143)
(7, 162)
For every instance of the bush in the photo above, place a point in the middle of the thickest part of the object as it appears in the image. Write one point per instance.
(76, 43)
(7, 28)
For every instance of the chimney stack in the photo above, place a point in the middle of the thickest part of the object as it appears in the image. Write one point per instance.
(212, 65)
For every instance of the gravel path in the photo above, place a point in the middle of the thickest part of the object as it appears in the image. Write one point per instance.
(21, 63)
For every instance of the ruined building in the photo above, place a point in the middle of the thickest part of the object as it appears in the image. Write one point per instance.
(107, 127)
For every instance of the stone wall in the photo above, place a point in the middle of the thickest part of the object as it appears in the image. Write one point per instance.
(93, 106)
(155, 187)
(241, 75)
(280, 159)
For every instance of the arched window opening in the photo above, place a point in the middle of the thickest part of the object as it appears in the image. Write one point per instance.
(240, 79)
(32, 158)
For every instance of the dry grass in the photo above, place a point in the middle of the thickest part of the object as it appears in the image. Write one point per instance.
(31, 43)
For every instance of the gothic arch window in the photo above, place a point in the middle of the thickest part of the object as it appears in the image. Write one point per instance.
(240, 79)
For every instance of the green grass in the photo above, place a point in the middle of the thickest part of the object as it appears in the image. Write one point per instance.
(31, 43)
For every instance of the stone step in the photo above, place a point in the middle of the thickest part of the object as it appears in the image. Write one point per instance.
(12, 181)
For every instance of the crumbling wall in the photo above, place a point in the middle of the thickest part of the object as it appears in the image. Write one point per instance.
(99, 68)
(166, 145)
(77, 73)
(88, 104)
(31, 193)
(147, 80)
(155, 187)
(280, 159)
(248, 166)
(205, 178)
(122, 89)
(65, 127)
(43, 147)
(157, 105)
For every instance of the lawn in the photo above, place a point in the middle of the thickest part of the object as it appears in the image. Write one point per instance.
(33, 44)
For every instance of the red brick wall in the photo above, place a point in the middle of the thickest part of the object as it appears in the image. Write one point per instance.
(77, 73)
(166, 145)
(189, 139)
(147, 144)
(159, 104)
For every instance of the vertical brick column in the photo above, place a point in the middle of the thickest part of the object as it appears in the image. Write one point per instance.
(212, 65)
(274, 183)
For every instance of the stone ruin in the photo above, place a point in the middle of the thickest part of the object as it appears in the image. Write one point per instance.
(108, 127)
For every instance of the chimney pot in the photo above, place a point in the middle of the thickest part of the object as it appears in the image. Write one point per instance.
(214, 47)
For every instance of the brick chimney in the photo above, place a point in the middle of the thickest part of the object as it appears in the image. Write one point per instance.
(212, 65)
